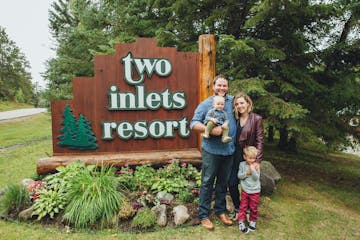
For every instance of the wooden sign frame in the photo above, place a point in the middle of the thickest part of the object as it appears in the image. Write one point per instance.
(96, 110)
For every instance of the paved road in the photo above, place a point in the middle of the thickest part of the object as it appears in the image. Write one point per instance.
(6, 115)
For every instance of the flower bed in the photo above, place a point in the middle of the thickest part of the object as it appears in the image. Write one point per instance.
(80, 196)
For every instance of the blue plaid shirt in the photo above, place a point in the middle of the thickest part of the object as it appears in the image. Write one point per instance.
(214, 145)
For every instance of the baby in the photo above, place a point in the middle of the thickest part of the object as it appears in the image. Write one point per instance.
(217, 117)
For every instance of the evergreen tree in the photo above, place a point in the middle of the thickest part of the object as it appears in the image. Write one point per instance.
(298, 59)
(85, 138)
(15, 79)
(69, 130)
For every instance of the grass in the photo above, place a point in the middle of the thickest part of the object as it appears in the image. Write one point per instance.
(6, 106)
(317, 198)
(25, 131)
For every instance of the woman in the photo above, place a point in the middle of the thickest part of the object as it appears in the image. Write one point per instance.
(249, 132)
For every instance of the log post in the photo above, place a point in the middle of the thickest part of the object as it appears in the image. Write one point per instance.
(207, 70)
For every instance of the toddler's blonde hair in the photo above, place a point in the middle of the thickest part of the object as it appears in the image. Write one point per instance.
(250, 151)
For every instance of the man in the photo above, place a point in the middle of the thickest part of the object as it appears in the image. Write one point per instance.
(217, 157)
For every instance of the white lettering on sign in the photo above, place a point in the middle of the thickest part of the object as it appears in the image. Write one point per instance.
(161, 66)
(143, 100)
(142, 129)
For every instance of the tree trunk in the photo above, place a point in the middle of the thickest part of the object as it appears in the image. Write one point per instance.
(283, 141)
(292, 146)
(271, 134)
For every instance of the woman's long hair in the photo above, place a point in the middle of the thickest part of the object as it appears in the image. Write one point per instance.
(247, 99)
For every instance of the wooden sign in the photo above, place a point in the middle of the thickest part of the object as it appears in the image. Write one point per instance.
(136, 109)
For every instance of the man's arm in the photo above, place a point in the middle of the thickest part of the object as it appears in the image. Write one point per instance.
(200, 128)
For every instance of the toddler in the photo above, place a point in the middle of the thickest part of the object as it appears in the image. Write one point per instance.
(217, 117)
(249, 175)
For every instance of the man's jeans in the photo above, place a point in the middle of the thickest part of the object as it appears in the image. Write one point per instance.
(214, 167)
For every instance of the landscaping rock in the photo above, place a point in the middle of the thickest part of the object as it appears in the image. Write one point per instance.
(27, 182)
(160, 211)
(268, 177)
(26, 214)
(270, 171)
(180, 214)
(165, 197)
(3, 190)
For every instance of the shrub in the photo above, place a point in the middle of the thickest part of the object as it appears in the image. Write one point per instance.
(14, 199)
(126, 178)
(49, 202)
(144, 219)
(144, 177)
(185, 196)
(49, 194)
(93, 197)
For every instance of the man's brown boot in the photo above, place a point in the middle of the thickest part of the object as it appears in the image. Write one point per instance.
(225, 219)
(206, 223)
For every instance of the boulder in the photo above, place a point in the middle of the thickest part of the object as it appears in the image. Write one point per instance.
(180, 214)
(270, 171)
(27, 182)
(160, 211)
(26, 214)
(269, 176)
(164, 197)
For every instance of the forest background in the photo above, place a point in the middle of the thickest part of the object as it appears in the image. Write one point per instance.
(297, 59)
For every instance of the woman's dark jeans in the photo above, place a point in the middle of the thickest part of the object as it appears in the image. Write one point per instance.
(234, 180)
(214, 167)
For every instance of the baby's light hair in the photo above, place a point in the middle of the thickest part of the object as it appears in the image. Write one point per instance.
(218, 98)
(250, 151)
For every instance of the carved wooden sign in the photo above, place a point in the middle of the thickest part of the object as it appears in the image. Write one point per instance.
(136, 109)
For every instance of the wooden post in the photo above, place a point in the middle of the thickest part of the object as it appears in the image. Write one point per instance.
(207, 70)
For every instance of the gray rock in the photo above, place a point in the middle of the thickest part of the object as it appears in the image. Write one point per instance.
(27, 182)
(26, 214)
(165, 197)
(180, 214)
(270, 171)
(160, 211)
(269, 176)
(3, 191)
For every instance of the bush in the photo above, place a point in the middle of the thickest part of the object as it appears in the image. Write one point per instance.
(49, 202)
(93, 198)
(49, 194)
(14, 199)
(144, 219)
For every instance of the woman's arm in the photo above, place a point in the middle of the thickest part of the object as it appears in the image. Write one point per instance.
(259, 128)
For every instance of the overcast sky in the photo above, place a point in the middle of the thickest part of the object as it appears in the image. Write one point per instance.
(26, 23)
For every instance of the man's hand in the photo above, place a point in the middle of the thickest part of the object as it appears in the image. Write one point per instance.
(216, 131)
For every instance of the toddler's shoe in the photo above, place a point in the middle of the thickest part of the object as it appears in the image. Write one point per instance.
(204, 135)
(243, 228)
(226, 139)
(252, 226)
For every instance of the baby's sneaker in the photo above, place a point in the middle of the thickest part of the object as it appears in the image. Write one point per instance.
(243, 228)
(205, 135)
(252, 226)
(226, 139)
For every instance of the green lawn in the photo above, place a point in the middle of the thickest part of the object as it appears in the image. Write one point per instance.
(6, 106)
(318, 197)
